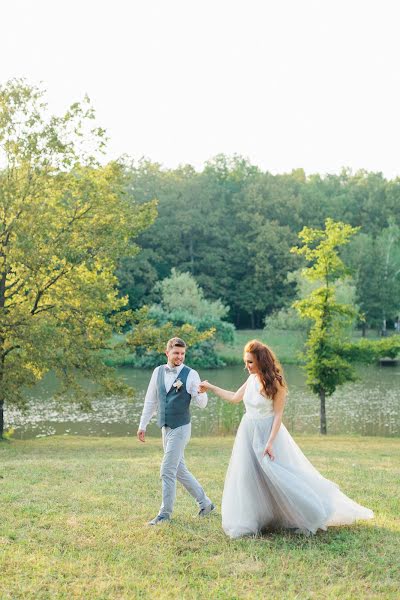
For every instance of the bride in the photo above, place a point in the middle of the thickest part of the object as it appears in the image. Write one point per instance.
(270, 483)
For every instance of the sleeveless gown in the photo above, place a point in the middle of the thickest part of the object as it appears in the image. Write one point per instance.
(288, 492)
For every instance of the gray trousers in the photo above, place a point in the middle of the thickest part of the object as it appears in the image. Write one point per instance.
(173, 468)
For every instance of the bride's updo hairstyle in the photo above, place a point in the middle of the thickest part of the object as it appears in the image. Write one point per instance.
(268, 367)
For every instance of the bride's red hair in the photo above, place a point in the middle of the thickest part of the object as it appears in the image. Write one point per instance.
(268, 367)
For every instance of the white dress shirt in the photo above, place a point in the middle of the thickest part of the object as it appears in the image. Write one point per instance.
(150, 406)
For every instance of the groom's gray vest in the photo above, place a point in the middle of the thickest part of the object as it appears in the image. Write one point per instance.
(173, 407)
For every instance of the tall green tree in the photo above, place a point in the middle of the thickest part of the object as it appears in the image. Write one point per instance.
(375, 262)
(180, 291)
(228, 226)
(64, 225)
(326, 368)
(183, 311)
(225, 226)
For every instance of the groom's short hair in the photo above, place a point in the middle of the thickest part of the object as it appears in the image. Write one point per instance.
(175, 341)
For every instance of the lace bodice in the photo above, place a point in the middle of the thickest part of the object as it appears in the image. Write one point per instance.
(257, 405)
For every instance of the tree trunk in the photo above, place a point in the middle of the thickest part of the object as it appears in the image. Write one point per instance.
(3, 280)
(384, 327)
(1, 419)
(252, 321)
(191, 256)
(1, 391)
(1, 400)
(322, 428)
(363, 330)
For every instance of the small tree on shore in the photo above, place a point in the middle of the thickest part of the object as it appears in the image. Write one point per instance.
(326, 368)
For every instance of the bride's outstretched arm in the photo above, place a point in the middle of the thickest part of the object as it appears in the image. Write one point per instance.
(279, 405)
(234, 397)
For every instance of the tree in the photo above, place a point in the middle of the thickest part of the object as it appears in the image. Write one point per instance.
(326, 368)
(64, 224)
(180, 291)
(232, 225)
(149, 335)
(196, 224)
(375, 262)
(261, 263)
(183, 311)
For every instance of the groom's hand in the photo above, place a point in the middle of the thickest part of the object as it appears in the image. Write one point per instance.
(141, 434)
(203, 386)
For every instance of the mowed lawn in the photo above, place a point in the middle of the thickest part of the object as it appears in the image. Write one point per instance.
(287, 344)
(73, 515)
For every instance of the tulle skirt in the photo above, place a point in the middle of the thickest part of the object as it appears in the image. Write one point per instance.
(288, 492)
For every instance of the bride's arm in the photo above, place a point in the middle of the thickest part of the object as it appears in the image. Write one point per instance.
(233, 397)
(279, 405)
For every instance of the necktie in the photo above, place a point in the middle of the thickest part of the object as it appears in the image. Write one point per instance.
(169, 370)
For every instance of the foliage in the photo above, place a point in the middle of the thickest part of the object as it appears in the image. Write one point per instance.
(289, 319)
(184, 312)
(223, 331)
(64, 224)
(231, 227)
(286, 344)
(204, 227)
(369, 351)
(181, 292)
(149, 334)
(329, 356)
(286, 319)
(325, 368)
(152, 335)
(376, 263)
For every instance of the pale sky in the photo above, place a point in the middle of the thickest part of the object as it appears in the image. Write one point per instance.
(286, 83)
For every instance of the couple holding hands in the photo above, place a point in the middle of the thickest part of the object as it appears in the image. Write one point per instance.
(269, 483)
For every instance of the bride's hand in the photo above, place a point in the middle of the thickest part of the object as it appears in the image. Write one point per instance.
(269, 451)
(204, 386)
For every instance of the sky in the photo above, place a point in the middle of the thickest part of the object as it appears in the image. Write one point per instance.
(312, 84)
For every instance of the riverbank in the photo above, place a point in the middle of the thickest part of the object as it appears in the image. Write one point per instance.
(74, 512)
(288, 346)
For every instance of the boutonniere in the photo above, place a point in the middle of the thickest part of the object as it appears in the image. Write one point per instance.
(177, 384)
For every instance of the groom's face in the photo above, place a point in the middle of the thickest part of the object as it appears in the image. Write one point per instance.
(176, 355)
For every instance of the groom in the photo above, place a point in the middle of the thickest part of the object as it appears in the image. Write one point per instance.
(171, 389)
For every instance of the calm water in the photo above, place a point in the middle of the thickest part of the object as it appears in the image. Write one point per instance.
(370, 406)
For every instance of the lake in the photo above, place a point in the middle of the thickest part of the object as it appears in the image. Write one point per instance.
(370, 406)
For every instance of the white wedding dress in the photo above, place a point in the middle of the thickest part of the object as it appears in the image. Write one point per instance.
(261, 494)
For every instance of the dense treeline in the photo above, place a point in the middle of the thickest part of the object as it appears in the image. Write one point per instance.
(232, 226)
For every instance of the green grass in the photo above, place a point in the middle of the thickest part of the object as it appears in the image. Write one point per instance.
(74, 513)
(287, 345)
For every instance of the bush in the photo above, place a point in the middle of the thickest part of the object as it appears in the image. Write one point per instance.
(183, 303)
(286, 319)
(224, 331)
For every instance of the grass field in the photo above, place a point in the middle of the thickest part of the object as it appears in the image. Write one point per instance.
(74, 513)
(287, 345)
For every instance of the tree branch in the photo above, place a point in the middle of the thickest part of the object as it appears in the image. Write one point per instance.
(46, 287)
(4, 354)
